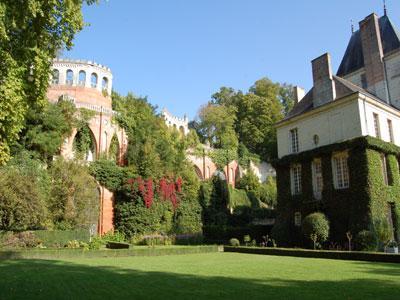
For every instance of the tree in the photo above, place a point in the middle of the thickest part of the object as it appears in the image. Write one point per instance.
(24, 192)
(217, 125)
(316, 227)
(74, 197)
(46, 128)
(31, 33)
(286, 97)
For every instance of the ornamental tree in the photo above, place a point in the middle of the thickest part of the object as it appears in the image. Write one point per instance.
(316, 227)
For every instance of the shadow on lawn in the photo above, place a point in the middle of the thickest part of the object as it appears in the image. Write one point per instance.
(48, 279)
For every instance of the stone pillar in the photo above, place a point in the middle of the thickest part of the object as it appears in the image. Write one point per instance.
(324, 86)
(106, 219)
(373, 56)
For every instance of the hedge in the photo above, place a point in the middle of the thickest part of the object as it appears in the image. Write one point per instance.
(343, 255)
(56, 238)
(80, 253)
(61, 237)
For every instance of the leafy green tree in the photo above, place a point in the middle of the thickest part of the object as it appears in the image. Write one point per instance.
(316, 228)
(24, 192)
(74, 197)
(31, 33)
(217, 125)
(46, 128)
(286, 97)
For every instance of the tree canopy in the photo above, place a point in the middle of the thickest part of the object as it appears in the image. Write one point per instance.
(31, 33)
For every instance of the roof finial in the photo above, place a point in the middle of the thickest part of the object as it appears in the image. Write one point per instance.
(352, 26)
(384, 8)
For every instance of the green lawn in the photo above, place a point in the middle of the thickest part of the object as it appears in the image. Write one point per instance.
(199, 276)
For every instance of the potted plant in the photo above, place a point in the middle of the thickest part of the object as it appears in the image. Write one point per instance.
(392, 247)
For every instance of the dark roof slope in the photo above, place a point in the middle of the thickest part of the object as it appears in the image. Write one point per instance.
(343, 88)
(353, 59)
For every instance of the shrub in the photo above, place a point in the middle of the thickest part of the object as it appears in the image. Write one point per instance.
(74, 244)
(234, 242)
(189, 239)
(59, 238)
(246, 239)
(366, 241)
(25, 239)
(316, 227)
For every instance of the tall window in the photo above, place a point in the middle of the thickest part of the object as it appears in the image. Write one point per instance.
(294, 140)
(56, 77)
(295, 179)
(386, 178)
(340, 171)
(317, 178)
(376, 126)
(70, 77)
(297, 219)
(390, 128)
(104, 83)
(93, 80)
(82, 78)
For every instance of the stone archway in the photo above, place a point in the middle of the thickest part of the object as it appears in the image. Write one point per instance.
(84, 145)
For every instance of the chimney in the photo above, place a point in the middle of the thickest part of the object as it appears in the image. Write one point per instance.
(299, 94)
(324, 86)
(373, 56)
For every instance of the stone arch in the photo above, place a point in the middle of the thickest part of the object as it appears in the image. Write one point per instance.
(69, 77)
(198, 172)
(181, 130)
(114, 149)
(84, 145)
(82, 78)
(93, 80)
(104, 83)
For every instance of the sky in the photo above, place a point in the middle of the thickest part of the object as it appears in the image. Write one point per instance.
(179, 52)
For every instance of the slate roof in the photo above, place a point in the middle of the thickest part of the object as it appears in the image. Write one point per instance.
(353, 59)
(343, 88)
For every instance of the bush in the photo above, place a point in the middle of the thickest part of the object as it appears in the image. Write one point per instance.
(25, 239)
(316, 227)
(234, 242)
(189, 239)
(247, 239)
(366, 241)
(59, 238)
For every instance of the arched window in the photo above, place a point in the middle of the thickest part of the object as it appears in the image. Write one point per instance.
(70, 77)
(82, 78)
(93, 80)
(56, 77)
(104, 83)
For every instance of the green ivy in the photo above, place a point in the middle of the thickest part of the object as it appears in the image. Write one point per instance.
(362, 206)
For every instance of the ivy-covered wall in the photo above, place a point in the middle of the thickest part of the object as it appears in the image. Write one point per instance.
(362, 206)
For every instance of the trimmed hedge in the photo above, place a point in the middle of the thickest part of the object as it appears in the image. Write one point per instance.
(80, 253)
(59, 238)
(343, 255)
(56, 238)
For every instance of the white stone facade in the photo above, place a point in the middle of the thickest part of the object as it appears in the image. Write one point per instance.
(181, 124)
(82, 73)
(339, 121)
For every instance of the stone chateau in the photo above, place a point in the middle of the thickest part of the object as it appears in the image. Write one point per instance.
(338, 149)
